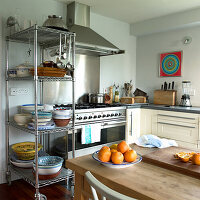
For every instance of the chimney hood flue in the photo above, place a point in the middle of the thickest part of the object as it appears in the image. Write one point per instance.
(87, 41)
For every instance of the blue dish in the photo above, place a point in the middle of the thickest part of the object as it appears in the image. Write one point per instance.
(48, 126)
(50, 161)
(112, 165)
(43, 114)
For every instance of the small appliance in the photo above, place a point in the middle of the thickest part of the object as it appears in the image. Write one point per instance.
(185, 99)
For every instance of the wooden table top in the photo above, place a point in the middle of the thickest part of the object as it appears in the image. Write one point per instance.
(142, 181)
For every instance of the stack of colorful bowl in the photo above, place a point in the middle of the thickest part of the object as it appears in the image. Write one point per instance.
(61, 117)
(44, 121)
(24, 153)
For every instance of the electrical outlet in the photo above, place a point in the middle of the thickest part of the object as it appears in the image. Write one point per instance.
(19, 91)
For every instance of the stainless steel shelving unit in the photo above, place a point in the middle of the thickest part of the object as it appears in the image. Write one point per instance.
(44, 38)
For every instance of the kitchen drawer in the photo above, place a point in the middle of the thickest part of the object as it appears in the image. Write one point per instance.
(178, 132)
(178, 117)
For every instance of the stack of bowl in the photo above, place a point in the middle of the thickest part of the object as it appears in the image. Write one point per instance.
(23, 154)
(61, 117)
(44, 121)
(48, 166)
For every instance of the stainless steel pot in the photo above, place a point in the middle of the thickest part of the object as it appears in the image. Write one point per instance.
(54, 21)
(96, 98)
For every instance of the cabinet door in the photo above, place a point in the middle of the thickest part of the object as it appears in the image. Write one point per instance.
(187, 133)
(133, 125)
(148, 123)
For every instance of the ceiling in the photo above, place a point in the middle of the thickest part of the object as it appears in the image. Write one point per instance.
(132, 11)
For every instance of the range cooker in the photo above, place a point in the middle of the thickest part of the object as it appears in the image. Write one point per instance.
(112, 118)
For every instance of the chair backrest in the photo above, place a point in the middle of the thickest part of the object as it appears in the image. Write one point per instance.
(104, 191)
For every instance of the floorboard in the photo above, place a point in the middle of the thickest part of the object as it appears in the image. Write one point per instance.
(21, 190)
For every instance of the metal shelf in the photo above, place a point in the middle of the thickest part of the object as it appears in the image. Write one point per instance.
(55, 130)
(40, 78)
(47, 37)
(27, 175)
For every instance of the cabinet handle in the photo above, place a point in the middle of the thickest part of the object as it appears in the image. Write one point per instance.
(175, 116)
(131, 124)
(176, 125)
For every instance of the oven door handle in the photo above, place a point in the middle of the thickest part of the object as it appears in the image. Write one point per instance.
(113, 124)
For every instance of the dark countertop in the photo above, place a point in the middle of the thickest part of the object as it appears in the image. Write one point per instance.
(195, 110)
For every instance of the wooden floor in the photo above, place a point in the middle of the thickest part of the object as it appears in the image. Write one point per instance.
(21, 190)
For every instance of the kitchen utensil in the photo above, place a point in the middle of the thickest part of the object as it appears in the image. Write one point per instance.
(49, 164)
(54, 21)
(61, 122)
(139, 92)
(169, 86)
(112, 165)
(165, 97)
(25, 150)
(172, 85)
(28, 108)
(128, 88)
(22, 119)
(185, 99)
(49, 176)
(165, 85)
(96, 98)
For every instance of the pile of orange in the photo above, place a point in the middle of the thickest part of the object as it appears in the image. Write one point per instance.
(188, 157)
(117, 153)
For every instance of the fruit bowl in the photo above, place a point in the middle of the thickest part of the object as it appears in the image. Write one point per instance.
(112, 165)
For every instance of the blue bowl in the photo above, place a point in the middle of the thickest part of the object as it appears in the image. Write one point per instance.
(50, 161)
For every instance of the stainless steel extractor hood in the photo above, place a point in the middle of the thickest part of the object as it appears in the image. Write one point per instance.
(88, 42)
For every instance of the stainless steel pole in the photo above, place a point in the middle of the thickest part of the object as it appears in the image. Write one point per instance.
(8, 175)
(37, 194)
(73, 96)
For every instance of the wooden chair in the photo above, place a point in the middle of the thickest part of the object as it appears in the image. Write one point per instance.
(104, 191)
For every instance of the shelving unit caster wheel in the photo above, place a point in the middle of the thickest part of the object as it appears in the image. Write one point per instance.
(8, 177)
(40, 197)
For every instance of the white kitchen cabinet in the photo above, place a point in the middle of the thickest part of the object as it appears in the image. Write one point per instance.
(179, 126)
(140, 122)
(132, 124)
(148, 122)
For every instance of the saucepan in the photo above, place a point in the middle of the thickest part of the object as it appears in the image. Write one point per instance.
(96, 98)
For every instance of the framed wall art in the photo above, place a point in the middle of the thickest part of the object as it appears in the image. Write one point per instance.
(170, 64)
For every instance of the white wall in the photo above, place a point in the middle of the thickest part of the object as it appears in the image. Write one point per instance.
(116, 69)
(148, 49)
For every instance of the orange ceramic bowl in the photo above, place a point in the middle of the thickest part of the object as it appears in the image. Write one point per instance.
(61, 122)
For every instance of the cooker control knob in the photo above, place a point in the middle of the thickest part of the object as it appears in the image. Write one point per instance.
(120, 114)
(85, 117)
(112, 115)
(108, 115)
(116, 114)
(95, 116)
(80, 118)
(99, 116)
(104, 115)
(90, 117)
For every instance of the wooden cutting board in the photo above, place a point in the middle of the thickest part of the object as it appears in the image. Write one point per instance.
(165, 158)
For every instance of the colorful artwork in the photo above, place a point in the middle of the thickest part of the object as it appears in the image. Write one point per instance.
(170, 64)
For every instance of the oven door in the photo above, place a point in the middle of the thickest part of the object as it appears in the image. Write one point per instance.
(111, 131)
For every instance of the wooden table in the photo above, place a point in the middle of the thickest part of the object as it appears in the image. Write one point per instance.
(142, 181)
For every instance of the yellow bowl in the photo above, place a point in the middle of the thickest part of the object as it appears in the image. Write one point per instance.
(25, 150)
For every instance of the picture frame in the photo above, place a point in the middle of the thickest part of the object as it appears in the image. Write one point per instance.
(171, 64)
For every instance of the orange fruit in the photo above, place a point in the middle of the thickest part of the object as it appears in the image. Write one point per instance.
(122, 147)
(117, 157)
(130, 156)
(113, 150)
(105, 147)
(104, 155)
(196, 158)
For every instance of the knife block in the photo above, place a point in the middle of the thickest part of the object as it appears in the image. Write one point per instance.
(165, 97)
